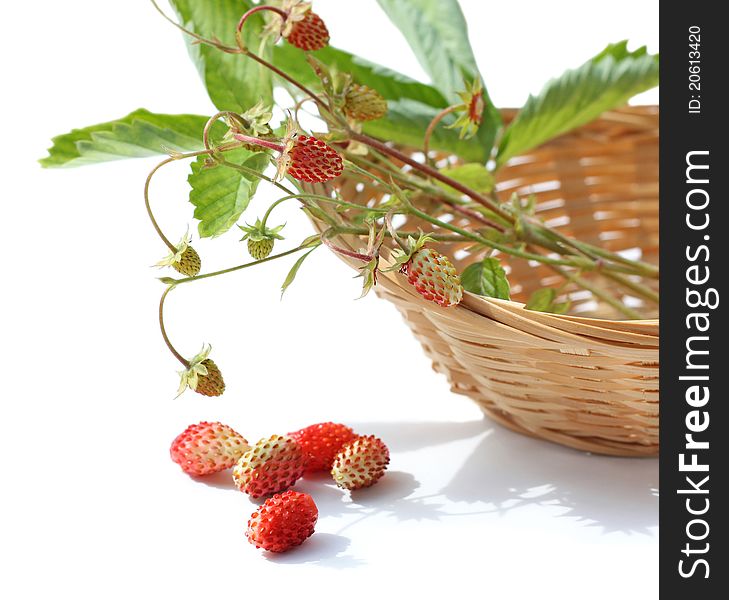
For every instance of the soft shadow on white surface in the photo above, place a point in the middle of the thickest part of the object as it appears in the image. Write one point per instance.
(504, 472)
(507, 471)
(324, 549)
(222, 480)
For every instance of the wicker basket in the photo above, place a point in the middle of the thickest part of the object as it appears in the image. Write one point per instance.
(587, 380)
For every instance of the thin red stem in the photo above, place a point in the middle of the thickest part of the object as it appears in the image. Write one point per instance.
(211, 122)
(431, 172)
(472, 215)
(286, 76)
(258, 142)
(342, 251)
(431, 127)
(282, 13)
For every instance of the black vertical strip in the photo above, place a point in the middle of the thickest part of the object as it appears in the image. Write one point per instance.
(694, 254)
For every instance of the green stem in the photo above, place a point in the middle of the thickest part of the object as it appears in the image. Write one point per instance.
(203, 40)
(172, 349)
(643, 269)
(318, 198)
(431, 172)
(598, 292)
(240, 267)
(641, 290)
(575, 262)
(438, 193)
(147, 182)
(438, 237)
(393, 233)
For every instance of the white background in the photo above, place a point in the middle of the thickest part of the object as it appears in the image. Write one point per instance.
(92, 507)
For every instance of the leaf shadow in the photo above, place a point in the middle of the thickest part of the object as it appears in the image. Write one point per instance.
(507, 471)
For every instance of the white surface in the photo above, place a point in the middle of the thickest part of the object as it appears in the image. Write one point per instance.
(91, 505)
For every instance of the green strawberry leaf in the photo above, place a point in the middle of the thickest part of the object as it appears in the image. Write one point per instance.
(390, 84)
(561, 308)
(233, 82)
(486, 278)
(474, 175)
(294, 270)
(580, 95)
(221, 194)
(438, 35)
(139, 134)
(406, 122)
(543, 300)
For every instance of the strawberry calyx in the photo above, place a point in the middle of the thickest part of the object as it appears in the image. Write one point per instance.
(259, 231)
(402, 256)
(470, 111)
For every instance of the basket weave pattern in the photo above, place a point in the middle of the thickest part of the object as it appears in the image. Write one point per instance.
(584, 380)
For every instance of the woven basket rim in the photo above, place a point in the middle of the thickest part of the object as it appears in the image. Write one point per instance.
(633, 332)
(587, 382)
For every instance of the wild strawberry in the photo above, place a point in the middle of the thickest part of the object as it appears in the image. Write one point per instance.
(272, 465)
(184, 259)
(362, 103)
(470, 111)
(259, 249)
(310, 33)
(189, 263)
(304, 158)
(207, 448)
(321, 442)
(360, 463)
(211, 384)
(311, 160)
(202, 375)
(260, 238)
(434, 277)
(283, 521)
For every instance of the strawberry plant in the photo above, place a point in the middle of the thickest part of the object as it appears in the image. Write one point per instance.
(373, 123)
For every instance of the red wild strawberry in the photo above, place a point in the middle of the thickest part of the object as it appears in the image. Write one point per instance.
(434, 277)
(311, 160)
(360, 463)
(207, 448)
(310, 33)
(321, 442)
(271, 466)
(282, 522)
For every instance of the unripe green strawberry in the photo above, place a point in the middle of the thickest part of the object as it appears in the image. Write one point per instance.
(434, 277)
(272, 465)
(189, 262)
(260, 238)
(259, 249)
(362, 103)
